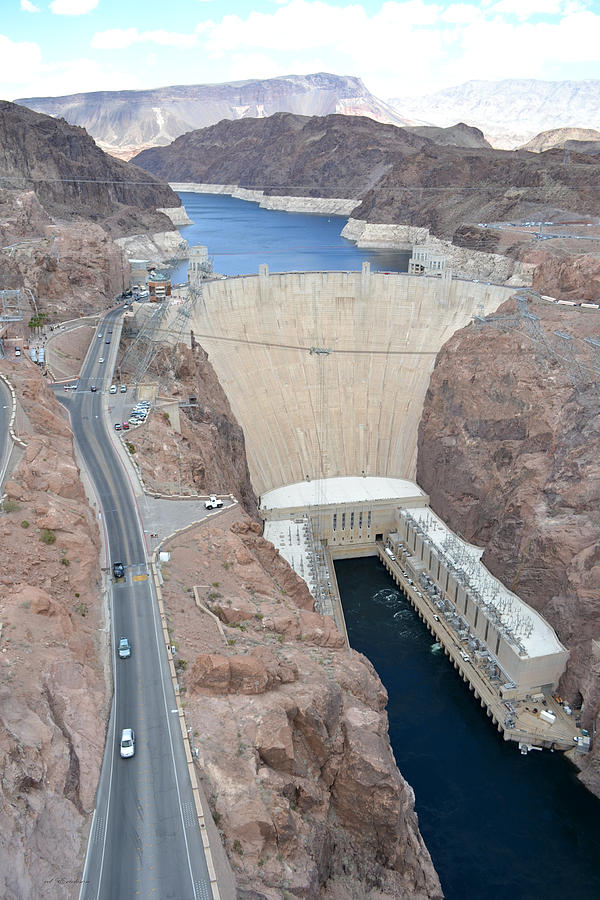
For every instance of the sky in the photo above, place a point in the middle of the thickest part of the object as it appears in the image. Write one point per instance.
(399, 48)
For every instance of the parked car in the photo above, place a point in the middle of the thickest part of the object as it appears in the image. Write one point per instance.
(127, 743)
(125, 426)
(123, 388)
(118, 426)
(213, 502)
(113, 389)
(124, 648)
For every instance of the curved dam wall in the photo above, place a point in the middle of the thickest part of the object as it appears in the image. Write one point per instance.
(326, 372)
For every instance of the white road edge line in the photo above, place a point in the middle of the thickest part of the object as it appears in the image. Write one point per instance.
(169, 719)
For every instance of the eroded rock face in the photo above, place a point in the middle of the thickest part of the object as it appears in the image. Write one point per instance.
(65, 266)
(575, 277)
(294, 743)
(509, 454)
(53, 698)
(208, 455)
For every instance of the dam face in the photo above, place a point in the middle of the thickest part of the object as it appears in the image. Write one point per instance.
(326, 372)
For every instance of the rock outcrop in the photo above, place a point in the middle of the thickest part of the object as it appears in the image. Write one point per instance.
(53, 694)
(571, 138)
(574, 277)
(508, 452)
(67, 268)
(401, 176)
(63, 202)
(208, 453)
(294, 744)
(74, 179)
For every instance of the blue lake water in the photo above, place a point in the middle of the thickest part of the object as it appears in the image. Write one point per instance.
(240, 236)
(498, 825)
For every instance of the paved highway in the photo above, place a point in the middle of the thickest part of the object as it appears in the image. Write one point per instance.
(5, 441)
(145, 840)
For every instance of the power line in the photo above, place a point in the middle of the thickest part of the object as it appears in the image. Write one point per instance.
(268, 187)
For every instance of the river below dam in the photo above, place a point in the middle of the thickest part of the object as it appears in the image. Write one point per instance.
(498, 825)
(239, 236)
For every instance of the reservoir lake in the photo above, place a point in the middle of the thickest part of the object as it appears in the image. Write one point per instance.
(498, 825)
(239, 236)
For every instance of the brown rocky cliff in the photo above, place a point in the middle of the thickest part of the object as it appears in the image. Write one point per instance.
(400, 176)
(73, 178)
(69, 269)
(208, 455)
(575, 277)
(509, 453)
(53, 695)
(293, 746)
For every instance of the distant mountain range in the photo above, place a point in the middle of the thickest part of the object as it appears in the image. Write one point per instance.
(125, 122)
(509, 112)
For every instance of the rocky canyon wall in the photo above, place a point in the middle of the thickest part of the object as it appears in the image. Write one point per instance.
(293, 746)
(508, 452)
(53, 692)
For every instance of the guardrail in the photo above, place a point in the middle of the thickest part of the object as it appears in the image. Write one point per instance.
(13, 415)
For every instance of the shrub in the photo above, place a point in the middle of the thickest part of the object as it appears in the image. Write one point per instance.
(47, 536)
(10, 506)
(181, 664)
(82, 609)
(24, 524)
(237, 848)
(65, 562)
(166, 417)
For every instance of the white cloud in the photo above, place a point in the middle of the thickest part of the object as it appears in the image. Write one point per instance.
(72, 7)
(120, 38)
(28, 6)
(18, 59)
(407, 46)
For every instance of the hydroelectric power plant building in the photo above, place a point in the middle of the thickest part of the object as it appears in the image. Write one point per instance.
(355, 516)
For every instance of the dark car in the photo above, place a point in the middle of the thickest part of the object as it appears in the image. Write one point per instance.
(107, 341)
(118, 570)
(93, 388)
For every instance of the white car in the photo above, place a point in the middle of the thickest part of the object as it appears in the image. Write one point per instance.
(213, 503)
(127, 743)
(113, 389)
(101, 360)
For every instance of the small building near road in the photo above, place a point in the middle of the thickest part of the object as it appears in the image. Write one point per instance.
(159, 288)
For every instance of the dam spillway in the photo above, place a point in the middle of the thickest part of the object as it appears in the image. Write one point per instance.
(326, 372)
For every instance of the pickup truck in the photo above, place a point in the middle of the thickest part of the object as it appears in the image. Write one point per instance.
(213, 503)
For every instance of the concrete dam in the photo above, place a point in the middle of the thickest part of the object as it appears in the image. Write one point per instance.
(326, 372)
